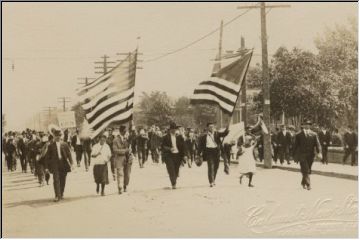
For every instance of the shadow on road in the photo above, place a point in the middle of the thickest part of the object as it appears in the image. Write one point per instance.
(38, 203)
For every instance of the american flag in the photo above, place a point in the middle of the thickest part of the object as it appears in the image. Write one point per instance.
(109, 99)
(223, 87)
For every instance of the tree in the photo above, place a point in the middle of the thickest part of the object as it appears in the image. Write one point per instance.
(338, 55)
(184, 112)
(154, 108)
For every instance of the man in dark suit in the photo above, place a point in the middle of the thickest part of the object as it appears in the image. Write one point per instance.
(22, 153)
(209, 148)
(58, 162)
(324, 138)
(76, 143)
(350, 145)
(283, 140)
(173, 153)
(306, 143)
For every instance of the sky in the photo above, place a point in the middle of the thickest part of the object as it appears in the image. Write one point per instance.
(53, 44)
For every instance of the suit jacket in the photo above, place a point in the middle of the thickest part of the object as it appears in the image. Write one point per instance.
(167, 145)
(53, 162)
(283, 141)
(305, 147)
(350, 139)
(324, 139)
(217, 139)
(73, 143)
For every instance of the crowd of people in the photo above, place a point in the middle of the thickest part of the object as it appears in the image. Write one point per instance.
(176, 146)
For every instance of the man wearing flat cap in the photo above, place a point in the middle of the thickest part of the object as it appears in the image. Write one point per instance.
(210, 147)
(58, 161)
(173, 153)
(306, 143)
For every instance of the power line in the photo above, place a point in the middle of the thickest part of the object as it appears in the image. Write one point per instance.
(199, 39)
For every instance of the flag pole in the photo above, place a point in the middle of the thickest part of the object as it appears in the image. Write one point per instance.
(237, 98)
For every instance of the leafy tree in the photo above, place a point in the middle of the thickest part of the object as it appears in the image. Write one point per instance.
(338, 55)
(154, 108)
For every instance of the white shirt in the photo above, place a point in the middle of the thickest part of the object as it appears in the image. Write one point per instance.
(173, 142)
(78, 140)
(210, 141)
(58, 149)
(284, 132)
(105, 153)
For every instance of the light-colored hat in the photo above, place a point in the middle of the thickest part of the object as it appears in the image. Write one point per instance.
(54, 130)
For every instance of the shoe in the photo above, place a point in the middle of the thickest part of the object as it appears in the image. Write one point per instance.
(56, 199)
(214, 184)
(62, 196)
(120, 191)
(124, 188)
(303, 185)
(308, 188)
(173, 186)
(102, 194)
(211, 185)
(97, 189)
(250, 185)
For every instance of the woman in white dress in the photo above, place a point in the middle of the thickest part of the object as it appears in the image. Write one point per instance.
(246, 160)
(101, 154)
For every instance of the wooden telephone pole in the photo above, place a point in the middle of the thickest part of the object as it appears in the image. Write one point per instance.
(104, 65)
(265, 77)
(64, 100)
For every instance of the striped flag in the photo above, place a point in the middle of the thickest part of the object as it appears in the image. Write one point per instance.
(109, 99)
(223, 87)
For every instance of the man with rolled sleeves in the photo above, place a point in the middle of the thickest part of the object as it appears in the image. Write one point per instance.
(58, 161)
(209, 148)
(121, 151)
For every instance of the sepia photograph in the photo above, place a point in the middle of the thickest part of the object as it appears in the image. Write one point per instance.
(179, 119)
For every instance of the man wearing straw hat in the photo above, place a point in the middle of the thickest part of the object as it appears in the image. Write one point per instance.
(58, 162)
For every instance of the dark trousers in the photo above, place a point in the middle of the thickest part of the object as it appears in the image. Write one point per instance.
(173, 163)
(142, 155)
(305, 166)
(22, 162)
(282, 154)
(127, 172)
(155, 155)
(9, 162)
(59, 177)
(32, 160)
(87, 159)
(213, 160)
(324, 154)
(349, 151)
(275, 156)
(78, 153)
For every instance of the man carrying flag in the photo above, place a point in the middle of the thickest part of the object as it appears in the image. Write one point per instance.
(222, 88)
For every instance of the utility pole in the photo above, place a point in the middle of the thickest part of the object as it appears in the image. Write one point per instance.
(49, 110)
(104, 65)
(243, 90)
(86, 81)
(217, 67)
(265, 77)
(64, 100)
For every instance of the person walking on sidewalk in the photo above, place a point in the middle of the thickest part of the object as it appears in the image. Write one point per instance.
(325, 141)
(306, 143)
(58, 162)
(173, 153)
(121, 151)
(350, 145)
(283, 140)
(209, 148)
(101, 156)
